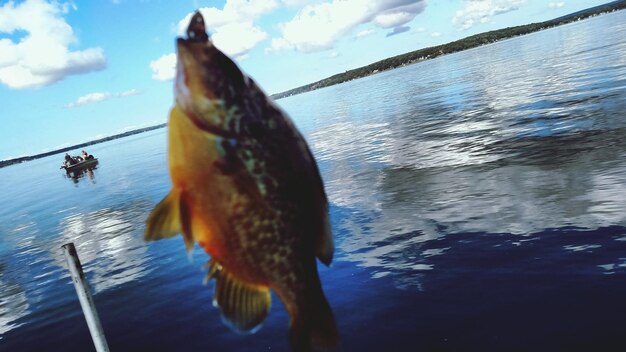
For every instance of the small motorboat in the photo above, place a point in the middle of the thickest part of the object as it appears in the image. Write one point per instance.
(85, 164)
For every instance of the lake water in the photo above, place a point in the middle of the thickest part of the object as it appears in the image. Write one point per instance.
(478, 203)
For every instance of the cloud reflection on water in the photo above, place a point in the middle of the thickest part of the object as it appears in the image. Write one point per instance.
(109, 243)
(509, 142)
(541, 184)
(13, 305)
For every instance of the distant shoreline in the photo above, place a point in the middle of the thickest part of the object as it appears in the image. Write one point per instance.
(452, 47)
(384, 65)
(4, 163)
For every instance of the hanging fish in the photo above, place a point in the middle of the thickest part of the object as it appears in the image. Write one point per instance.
(246, 188)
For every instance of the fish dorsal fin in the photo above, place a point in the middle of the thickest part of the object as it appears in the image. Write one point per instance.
(243, 306)
(168, 218)
(324, 247)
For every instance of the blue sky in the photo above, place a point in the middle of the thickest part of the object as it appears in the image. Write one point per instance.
(79, 70)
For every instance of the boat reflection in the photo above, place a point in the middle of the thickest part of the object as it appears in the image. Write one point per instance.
(86, 173)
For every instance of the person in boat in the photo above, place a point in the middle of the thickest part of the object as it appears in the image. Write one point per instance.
(69, 161)
(87, 156)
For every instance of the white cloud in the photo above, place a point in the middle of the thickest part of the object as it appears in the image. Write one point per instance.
(556, 5)
(42, 56)
(316, 27)
(236, 39)
(164, 68)
(130, 93)
(97, 97)
(92, 98)
(365, 33)
(232, 28)
(278, 44)
(295, 2)
(481, 11)
(435, 34)
(396, 18)
(398, 30)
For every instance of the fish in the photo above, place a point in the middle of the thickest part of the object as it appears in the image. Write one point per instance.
(247, 189)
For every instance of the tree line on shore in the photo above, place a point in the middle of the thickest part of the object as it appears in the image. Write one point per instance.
(77, 146)
(452, 47)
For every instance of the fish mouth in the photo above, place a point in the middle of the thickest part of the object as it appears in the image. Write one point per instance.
(196, 31)
(202, 78)
(192, 52)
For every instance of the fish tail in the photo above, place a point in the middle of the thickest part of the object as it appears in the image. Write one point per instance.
(313, 326)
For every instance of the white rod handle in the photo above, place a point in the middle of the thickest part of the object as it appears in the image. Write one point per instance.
(86, 301)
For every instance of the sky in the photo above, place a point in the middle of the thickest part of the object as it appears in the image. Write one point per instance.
(74, 71)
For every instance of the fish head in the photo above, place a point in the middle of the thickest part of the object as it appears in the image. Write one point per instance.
(209, 86)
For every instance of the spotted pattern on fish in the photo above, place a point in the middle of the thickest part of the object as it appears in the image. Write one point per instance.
(283, 181)
(251, 192)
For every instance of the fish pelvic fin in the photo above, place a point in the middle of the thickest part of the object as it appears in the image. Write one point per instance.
(244, 306)
(324, 247)
(313, 326)
(168, 218)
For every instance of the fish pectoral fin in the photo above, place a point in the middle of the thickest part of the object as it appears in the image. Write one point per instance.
(164, 220)
(243, 306)
(167, 219)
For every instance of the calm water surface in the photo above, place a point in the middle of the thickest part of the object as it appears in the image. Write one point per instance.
(478, 203)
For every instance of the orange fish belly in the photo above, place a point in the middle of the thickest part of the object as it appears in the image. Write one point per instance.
(213, 200)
